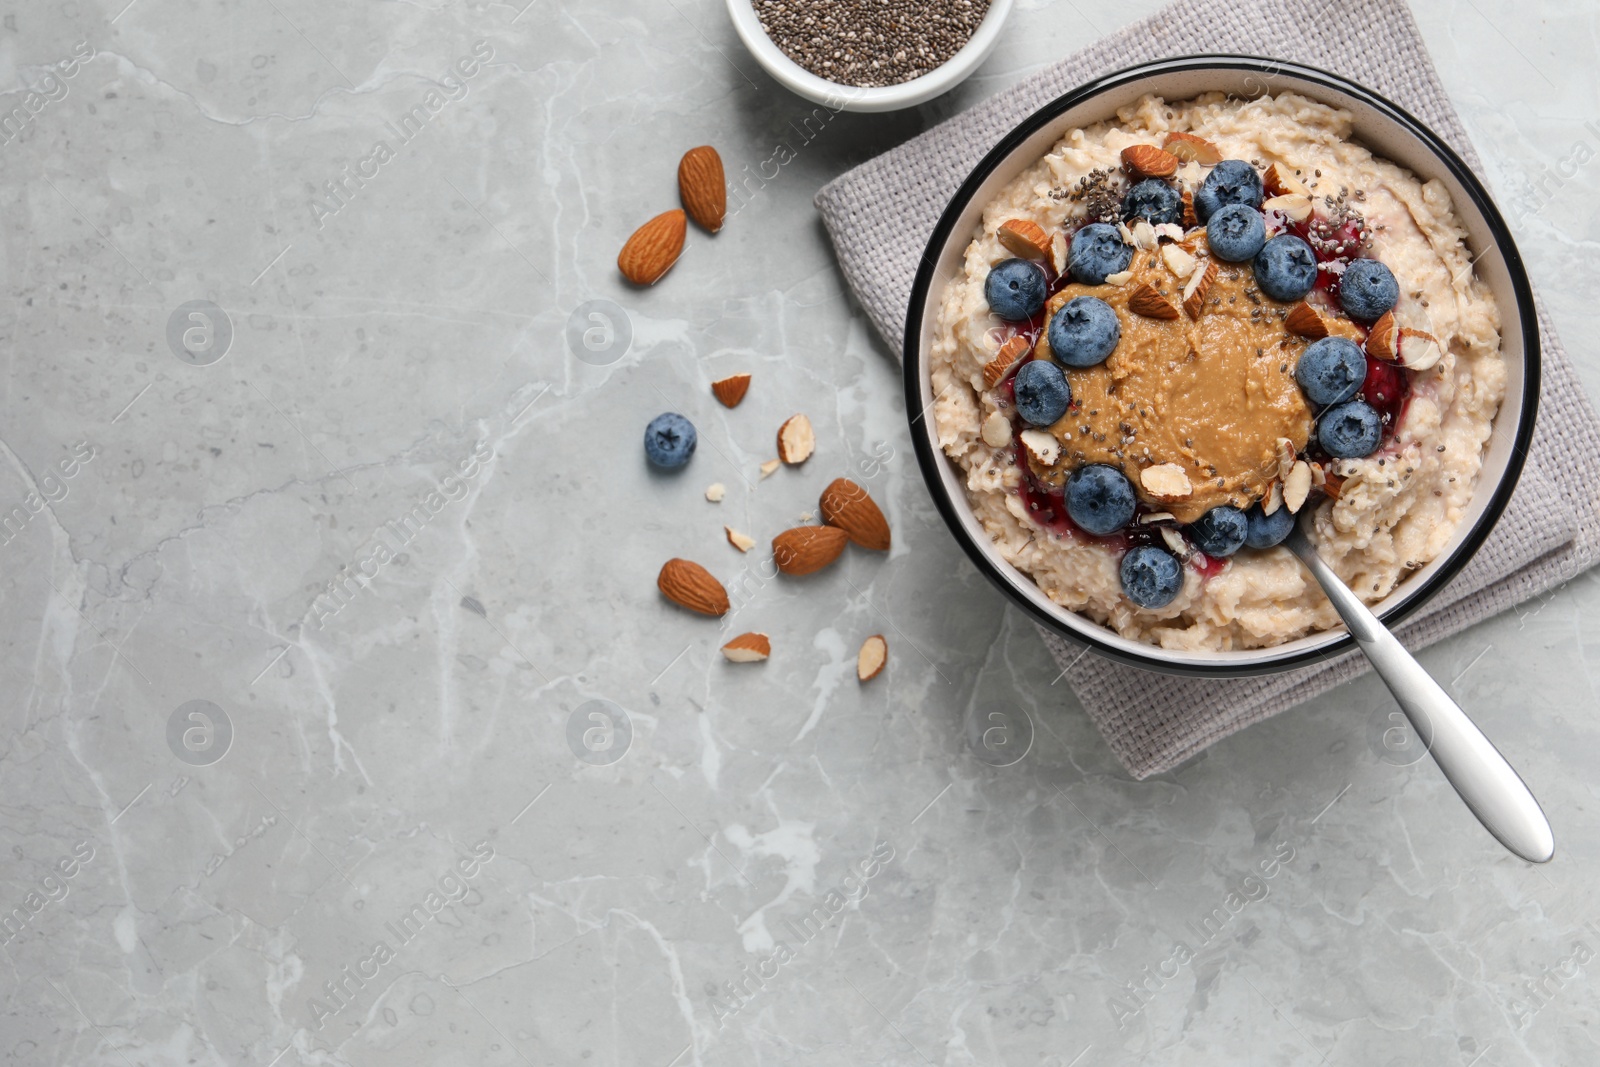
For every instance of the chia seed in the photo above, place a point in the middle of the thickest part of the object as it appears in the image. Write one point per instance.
(870, 43)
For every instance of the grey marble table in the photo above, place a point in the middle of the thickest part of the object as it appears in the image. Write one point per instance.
(460, 788)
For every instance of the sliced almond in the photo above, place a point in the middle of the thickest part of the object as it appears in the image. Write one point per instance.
(1025, 238)
(997, 430)
(1169, 230)
(1014, 349)
(1292, 205)
(1059, 248)
(1273, 500)
(1144, 236)
(1042, 446)
(1121, 277)
(1190, 219)
(796, 440)
(1148, 302)
(1175, 542)
(743, 542)
(1166, 481)
(1151, 517)
(1179, 262)
(1419, 350)
(1304, 320)
(748, 648)
(1319, 477)
(1188, 148)
(873, 655)
(1198, 287)
(1278, 181)
(1286, 456)
(731, 390)
(1297, 486)
(1383, 339)
(715, 492)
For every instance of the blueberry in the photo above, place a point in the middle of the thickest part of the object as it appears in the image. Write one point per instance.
(1367, 289)
(1042, 392)
(1097, 250)
(1267, 530)
(1015, 289)
(1285, 267)
(1351, 430)
(1155, 200)
(1233, 181)
(669, 440)
(1084, 332)
(1236, 233)
(1331, 371)
(1220, 532)
(1151, 576)
(1100, 499)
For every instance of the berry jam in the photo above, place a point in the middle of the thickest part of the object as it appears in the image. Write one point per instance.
(1387, 388)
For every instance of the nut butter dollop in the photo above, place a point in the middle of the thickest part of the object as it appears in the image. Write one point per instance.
(1212, 395)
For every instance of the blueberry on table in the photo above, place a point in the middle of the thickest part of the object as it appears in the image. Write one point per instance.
(1350, 430)
(1267, 530)
(1331, 370)
(1286, 268)
(1100, 499)
(1233, 181)
(1153, 200)
(1367, 289)
(1083, 332)
(1220, 532)
(1097, 251)
(1236, 233)
(1041, 392)
(1151, 576)
(669, 440)
(1015, 289)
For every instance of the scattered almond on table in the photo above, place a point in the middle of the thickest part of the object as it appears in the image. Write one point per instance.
(873, 655)
(748, 648)
(691, 586)
(702, 187)
(653, 248)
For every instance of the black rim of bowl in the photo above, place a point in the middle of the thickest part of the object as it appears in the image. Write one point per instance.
(930, 458)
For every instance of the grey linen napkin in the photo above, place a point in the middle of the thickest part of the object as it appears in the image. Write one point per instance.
(880, 214)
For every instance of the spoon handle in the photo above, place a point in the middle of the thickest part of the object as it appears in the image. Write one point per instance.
(1487, 783)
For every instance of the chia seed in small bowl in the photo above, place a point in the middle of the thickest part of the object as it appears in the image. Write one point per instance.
(868, 55)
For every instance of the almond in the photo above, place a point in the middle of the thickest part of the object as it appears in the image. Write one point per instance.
(702, 186)
(1166, 481)
(1121, 277)
(996, 430)
(807, 549)
(1190, 219)
(1297, 486)
(1176, 543)
(653, 248)
(1179, 262)
(769, 466)
(1042, 446)
(1009, 353)
(1194, 293)
(731, 390)
(1279, 182)
(1059, 248)
(1273, 500)
(1286, 456)
(1304, 320)
(1148, 161)
(1332, 484)
(689, 585)
(846, 505)
(748, 648)
(1292, 205)
(1170, 230)
(796, 440)
(743, 542)
(1143, 236)
(1383, 341)
(715, 492)
(1191, 149)
(1148, 302)
(1418, 349)
(873, 655)
(1024, 238)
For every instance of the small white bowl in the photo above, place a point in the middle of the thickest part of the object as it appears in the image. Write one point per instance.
(839, 96)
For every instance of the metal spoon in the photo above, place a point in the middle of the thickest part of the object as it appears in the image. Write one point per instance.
(1491, 788)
